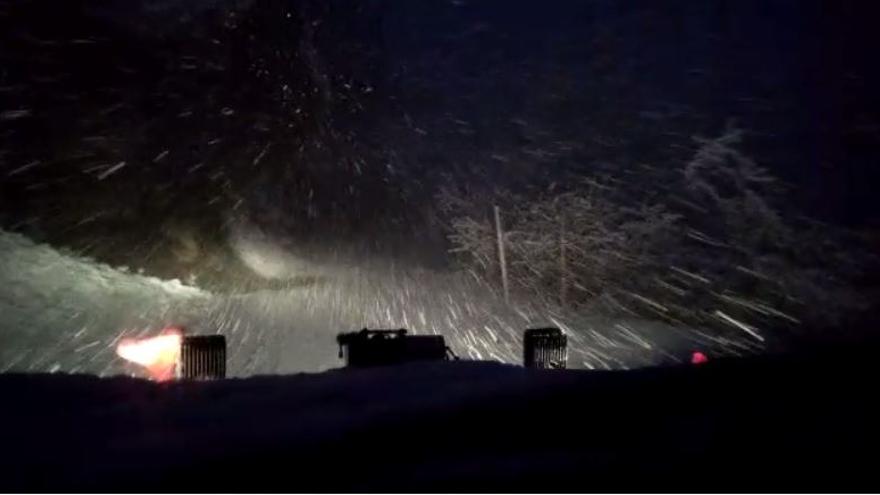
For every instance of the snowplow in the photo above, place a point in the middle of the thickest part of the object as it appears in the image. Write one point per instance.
(390, 347)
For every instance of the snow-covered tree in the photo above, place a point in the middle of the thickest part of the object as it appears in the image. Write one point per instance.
(707, 245)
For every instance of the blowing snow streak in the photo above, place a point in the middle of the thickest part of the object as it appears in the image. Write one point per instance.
(282, 171)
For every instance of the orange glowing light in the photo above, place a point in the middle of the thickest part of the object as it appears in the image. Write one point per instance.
(157, 354)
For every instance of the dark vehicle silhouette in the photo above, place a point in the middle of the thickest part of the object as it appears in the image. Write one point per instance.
(389, 347)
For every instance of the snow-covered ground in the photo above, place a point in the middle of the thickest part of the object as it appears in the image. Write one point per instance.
(59, 312)
(62, 312)
(759, 424)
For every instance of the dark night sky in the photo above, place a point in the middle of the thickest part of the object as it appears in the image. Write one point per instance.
(799, 75)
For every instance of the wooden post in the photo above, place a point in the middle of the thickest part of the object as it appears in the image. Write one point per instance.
(563, 265)
(502, 260)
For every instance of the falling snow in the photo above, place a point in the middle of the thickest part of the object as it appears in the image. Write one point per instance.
(279, 172)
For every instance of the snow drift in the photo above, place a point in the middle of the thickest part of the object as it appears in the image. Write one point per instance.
(760, 424)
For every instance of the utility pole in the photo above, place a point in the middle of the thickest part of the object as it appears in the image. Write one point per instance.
(502, 260)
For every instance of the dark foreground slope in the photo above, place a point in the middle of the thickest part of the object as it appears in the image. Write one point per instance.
(790, 423)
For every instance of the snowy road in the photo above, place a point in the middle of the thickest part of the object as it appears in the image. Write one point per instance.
(61, 312)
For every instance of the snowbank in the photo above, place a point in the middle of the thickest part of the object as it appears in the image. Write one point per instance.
(752, 424)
